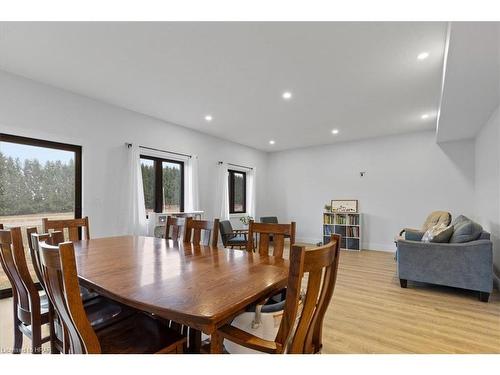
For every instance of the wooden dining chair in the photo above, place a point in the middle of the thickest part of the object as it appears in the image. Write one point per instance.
(71, 225)
(270, 233)
(174, 229)
(194, 228)
(137, 334)
(56, 237)
(321, 265)
(100, 311)
(31, 309)
(34, 238)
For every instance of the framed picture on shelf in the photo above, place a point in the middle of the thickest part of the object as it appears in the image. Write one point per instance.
(345, 205)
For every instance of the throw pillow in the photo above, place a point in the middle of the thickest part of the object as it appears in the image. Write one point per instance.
(432, 232)
(465, 230)
(444, 235)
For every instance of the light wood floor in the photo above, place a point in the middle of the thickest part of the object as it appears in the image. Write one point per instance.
(370, 313)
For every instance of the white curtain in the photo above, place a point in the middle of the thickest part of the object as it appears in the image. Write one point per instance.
(136, 217)
(251, 193)
(192, 196)
(222, 191)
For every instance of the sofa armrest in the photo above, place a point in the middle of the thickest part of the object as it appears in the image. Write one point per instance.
(466, 265)
(413, 234)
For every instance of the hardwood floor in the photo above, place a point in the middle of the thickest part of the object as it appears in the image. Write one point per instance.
(370, 313)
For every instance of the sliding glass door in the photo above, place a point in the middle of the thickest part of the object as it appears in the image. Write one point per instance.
(38, 179)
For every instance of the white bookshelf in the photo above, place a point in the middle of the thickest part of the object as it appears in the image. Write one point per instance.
(347, 224)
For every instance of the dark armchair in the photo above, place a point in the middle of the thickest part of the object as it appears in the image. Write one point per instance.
(231, 237)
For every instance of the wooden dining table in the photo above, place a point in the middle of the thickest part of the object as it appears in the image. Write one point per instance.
(202, 287)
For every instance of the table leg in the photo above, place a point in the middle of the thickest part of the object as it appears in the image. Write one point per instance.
(215, 343)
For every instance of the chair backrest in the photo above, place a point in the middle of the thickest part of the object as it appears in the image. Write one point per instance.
(30, 231)
(226, 230)
(72, 225)
(194, 229)
(265, 231)
(174, 229)
(269, 219)
(61, 281)
(321, 265)
(13, 260)
(34, 239)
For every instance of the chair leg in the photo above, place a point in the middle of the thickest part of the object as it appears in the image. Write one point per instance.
(403, 283)
(18, 340)
(484, 296)
(194, 340)
(52, 330)
(36, 339)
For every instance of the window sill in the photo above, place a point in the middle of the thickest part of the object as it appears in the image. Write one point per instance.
(238, 215)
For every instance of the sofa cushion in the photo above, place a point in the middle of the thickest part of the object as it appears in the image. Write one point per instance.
(465, 230)
(444, 235)
(459, 219)
(438, 233)
(436, 218)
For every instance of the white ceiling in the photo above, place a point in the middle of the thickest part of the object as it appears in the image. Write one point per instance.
(361, 78)
(472, 79)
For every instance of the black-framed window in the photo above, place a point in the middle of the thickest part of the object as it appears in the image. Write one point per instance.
(39, 178)
(163, 182)
(237, 192)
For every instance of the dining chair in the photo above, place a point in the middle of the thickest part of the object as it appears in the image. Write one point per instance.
(174, 228)
(265, 231)
(271, 220)
(100, 311)
(30, 308)
(321, 265)
(71, 225)
(194, 228)
(34, 238)
(232, 237)
(139, 333)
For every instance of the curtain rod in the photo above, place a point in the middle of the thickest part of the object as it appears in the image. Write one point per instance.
(237, 165)
(156, 149)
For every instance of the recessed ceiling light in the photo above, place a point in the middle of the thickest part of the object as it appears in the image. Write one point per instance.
(208, 118)
(335, 131)
(423, 55)
(271, 142)
(425, 116)
(287, 95)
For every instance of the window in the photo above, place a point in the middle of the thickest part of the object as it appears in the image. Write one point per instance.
(237, 192)
(38, 179)
(163, 182)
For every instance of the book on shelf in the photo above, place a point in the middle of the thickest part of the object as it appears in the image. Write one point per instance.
(353, 220)
(327, 219)
(352, 231)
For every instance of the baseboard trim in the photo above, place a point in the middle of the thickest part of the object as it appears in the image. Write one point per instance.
(388, 248)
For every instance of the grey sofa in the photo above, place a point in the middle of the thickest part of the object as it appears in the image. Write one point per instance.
(467, 265)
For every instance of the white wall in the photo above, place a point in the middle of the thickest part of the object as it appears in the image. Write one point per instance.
(407, 177)
(487, 183)
(28, 108)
